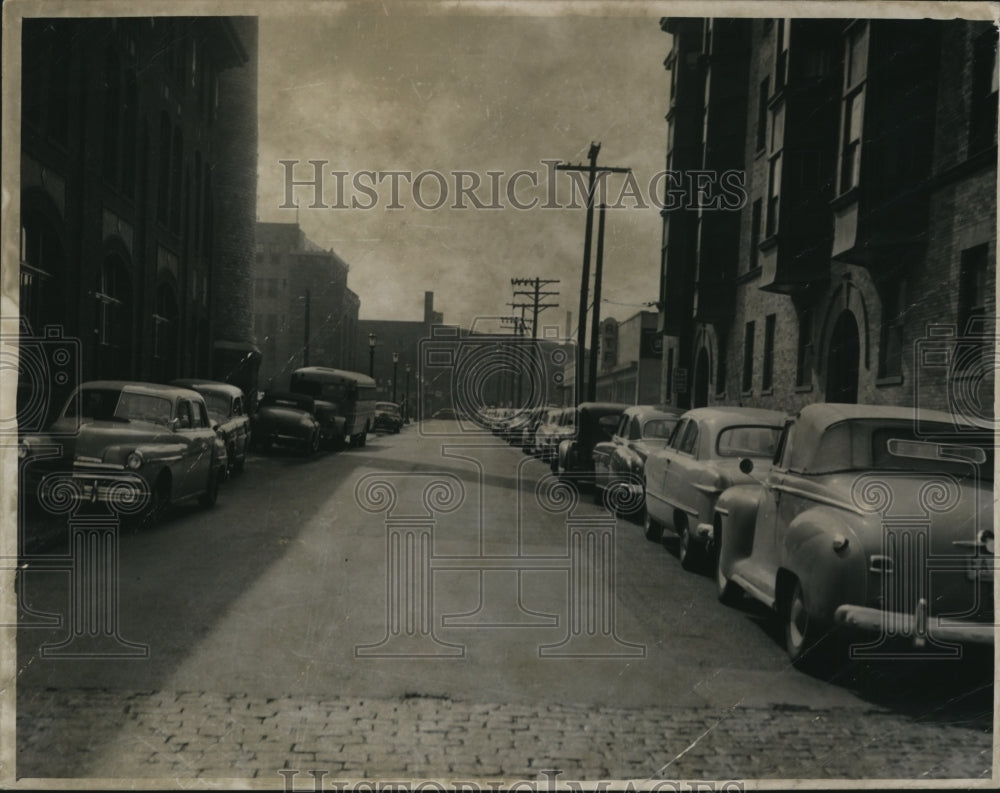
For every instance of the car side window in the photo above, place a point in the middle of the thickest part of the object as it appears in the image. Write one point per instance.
(678, 433)
(635, 431)
(622, 425)
(183, 415)
(200, 414)
(780, 453)
(237, 407)
(690, 439)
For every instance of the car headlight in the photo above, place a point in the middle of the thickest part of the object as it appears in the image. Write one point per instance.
(135, 460)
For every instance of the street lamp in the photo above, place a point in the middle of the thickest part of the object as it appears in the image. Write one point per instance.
(406, 404)
(371, 354)
(395, 363)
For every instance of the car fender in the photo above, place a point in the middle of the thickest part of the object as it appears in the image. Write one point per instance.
(566, 453)
(736, 516)
(825, 554)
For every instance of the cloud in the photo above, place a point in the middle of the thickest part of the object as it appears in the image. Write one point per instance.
(370, 91)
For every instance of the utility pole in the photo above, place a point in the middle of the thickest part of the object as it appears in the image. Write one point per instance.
(535, 295)
(581, 334)
(305, 340)
(595, 325)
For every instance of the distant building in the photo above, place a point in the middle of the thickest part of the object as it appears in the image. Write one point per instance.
(399, 337)
(138, 174)
(305, 315)
(869, 230)
(629, 360)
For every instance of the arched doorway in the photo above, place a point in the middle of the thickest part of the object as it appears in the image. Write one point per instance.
(842, 362)
(701, 379)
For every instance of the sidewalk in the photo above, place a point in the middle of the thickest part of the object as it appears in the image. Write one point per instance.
(151, 734)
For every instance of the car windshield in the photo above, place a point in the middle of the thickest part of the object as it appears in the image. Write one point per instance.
(748, 441)
(217, 403)
(659, 429)
(115, 404)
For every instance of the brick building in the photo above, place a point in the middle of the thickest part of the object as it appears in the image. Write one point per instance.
(869, 152)
(138, 174)
(305, 314)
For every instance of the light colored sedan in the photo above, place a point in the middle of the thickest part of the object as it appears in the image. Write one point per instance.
(702, 460)
(873, 519)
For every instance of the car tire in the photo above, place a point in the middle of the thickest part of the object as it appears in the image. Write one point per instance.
(726, 591)
(811, 646)
(652, 527)
(689, 551)
(159, 502)
(211, 494)
(314, 444)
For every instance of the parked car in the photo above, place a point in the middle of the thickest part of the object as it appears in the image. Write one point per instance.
(545, 444)
(871, 516)
(564, 429)
(295, 421)
(226, 410)
(156, 439)
(594, 422)
(702, 459)
(388, 417)
(621, 462)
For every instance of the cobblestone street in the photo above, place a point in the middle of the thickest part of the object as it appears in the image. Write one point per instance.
(207, 735)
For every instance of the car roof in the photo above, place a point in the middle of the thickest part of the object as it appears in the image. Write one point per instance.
(603, 407)
(213, 386)
(646, 412)
(819, 416)
(150, 389)
(341, 374)
(724, 416)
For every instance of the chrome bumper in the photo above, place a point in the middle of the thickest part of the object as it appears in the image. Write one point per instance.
(917, 626)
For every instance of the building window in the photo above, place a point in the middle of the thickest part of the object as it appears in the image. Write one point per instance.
(113, 326)
(983, 118)
(773, 194)
(748, 357)
(767, 372)
(176, 169)
(805, 348)
(165, 334)
(855, 71)
(755, 213)
(891, 347)
(130, 126)
(670, 375)
(163, 175)
(973, 292)
(720, 368)
(762, 115)
(112, 110)
(781, 54)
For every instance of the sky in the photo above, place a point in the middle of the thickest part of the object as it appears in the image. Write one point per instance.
(382, 87)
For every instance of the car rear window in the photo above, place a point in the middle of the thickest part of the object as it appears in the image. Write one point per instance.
(748, 441)
(658, 428)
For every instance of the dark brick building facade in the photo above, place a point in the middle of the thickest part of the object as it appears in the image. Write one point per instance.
(868, 231)
(138, 172)
(305, 315)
